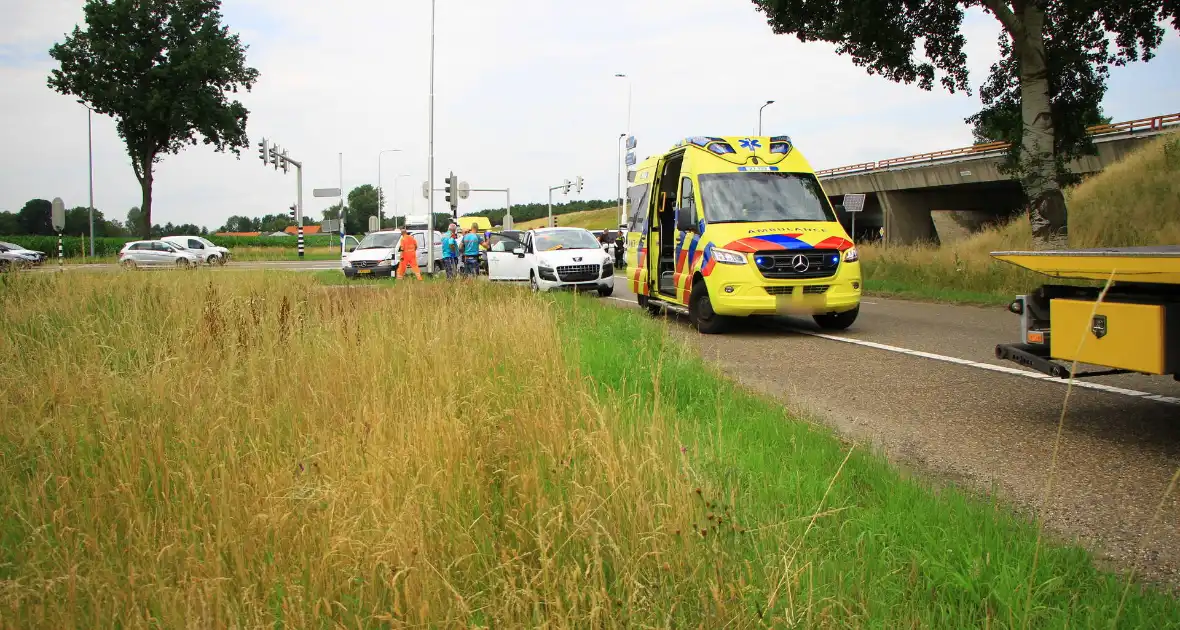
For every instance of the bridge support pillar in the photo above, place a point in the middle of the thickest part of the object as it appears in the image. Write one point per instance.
(907, 218)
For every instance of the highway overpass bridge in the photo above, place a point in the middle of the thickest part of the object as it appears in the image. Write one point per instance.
(945, 195)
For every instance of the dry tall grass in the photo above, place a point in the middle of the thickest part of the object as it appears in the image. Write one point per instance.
(229, 450)
(1133, 202)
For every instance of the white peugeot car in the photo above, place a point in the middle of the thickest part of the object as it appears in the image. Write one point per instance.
(552, 258)
(377, 254)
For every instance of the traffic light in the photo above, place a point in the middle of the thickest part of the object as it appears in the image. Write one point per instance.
(286, 163)
(578, 184)
(274, 155)
(453, 192)
(554, 221)
(263, 148)
(292, 213)
(565, 188)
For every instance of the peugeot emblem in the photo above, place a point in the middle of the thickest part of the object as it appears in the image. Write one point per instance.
(799, 263)
(577, 259)
(1098, 326)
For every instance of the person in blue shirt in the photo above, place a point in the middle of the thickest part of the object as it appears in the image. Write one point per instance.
(471, 252)
(450, 251)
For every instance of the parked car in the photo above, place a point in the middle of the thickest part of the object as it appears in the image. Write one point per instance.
(11, 262)
(29, 256)
(204, 249)
(377, 254)
(156, 254)
(552, 258)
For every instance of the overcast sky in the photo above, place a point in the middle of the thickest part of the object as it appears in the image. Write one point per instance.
(525, 96)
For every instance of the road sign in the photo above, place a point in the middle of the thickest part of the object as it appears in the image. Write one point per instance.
(373, 224)
(854, 202)
(630, 159)
(330, 225)
(464, 190)
(57, 215)
(631, 143)
(325, 192)
(426, 190)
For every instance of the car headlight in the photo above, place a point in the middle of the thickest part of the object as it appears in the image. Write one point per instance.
(851, 255)
(728, 257)
(385, 262)
(344, 262)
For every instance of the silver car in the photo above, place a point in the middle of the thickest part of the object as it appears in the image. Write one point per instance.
(203, 248)
(156, 254)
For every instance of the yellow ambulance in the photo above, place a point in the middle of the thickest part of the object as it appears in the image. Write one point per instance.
(724, 227)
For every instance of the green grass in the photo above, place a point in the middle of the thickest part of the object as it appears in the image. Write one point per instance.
(895, 288)
(259, 449)
(601, 219)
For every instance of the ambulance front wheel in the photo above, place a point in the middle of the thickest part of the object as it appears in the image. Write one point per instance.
(701, 313)
(837, 321)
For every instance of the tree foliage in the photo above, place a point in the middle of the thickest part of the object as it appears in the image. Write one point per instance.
(1042, 94)
(163, 69)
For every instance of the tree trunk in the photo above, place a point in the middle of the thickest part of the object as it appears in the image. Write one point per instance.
(1038, 167)
(145, 186)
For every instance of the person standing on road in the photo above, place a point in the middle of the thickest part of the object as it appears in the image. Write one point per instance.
(450, 247)
(409, 249)
(471, 243)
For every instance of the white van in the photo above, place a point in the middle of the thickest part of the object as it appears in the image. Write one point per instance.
(377, 253)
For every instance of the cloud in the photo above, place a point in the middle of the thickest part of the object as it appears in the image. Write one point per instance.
(525, 97)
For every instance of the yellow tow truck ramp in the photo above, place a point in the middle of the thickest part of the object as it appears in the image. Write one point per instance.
(1136, 328)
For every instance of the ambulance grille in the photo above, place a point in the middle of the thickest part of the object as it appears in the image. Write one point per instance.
(814, 289)
(821, 263)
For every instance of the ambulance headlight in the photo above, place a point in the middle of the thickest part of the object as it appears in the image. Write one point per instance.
(726, 257)
(851, 255)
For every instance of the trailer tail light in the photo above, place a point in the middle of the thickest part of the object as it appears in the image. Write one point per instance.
(1036, 336)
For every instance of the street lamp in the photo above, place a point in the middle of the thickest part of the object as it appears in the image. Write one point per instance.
(90, 151)
(760, 116)
(379, 195)
(619, 175)
(622, 217)
(397, 177)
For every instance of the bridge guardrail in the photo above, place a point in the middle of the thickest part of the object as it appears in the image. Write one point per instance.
(1155, 123)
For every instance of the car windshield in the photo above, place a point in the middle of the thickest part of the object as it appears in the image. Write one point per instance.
(751, 197)
(379, 240)
(7, 245)
(564, 239)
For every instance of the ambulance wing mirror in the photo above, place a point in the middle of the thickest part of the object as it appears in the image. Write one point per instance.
(684, 222)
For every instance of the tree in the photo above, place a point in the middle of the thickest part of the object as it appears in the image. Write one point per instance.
(1051, 48)
(9, 224)
(162, 69)
(34, 218)
(362, 204)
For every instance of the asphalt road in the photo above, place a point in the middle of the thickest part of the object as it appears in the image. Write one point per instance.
(921, 382)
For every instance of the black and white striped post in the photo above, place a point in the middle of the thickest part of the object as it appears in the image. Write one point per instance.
(300, 239)
(57, 217)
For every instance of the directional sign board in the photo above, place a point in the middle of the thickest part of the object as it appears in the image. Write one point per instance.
(630, 143)
(854, 202)
(57, 215)
(325, 192)
(464, 190)
(330, 225)
(630, 159)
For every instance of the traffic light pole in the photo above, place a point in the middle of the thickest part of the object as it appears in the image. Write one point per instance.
(270, 154)
(299, 204)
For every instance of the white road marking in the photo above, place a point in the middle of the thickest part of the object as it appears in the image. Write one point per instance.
(1003, 369)
(994, 368)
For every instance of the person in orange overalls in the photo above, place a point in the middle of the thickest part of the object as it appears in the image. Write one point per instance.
(409, 248)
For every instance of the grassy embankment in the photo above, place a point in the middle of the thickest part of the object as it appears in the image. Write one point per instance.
(76, 249)
(1133, 202)
(601, 219)
(259, 449)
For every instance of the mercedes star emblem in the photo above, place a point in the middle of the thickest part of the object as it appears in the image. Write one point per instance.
(799, 263)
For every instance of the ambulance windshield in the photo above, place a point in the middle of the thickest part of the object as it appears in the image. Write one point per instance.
(754, 197)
